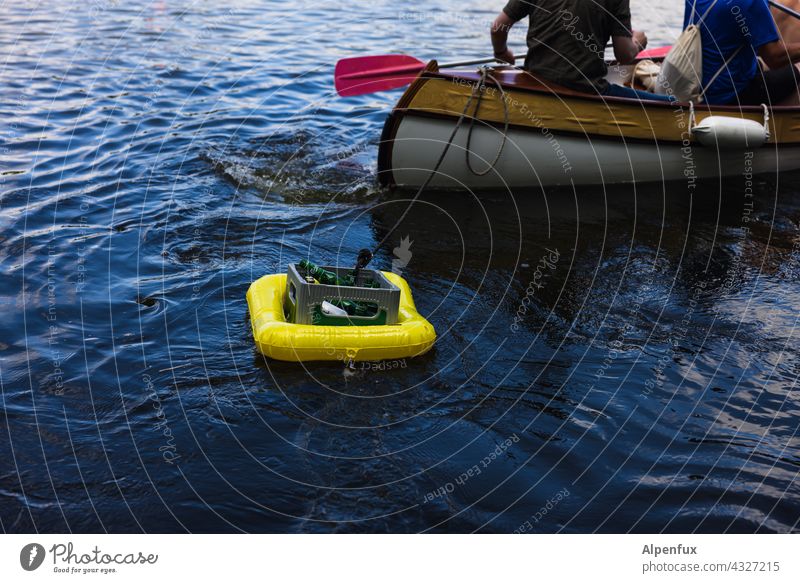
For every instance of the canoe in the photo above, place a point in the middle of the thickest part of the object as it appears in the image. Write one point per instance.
(556, 136)
(278, 339)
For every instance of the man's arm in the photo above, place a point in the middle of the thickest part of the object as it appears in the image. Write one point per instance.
(500, 28)
(627, 47)
(627, 42)
(764, 37)
(778, 54)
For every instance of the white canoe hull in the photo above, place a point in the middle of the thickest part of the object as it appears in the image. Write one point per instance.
(535, 158)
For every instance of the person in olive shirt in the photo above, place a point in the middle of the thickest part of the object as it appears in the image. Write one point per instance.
(567, 41)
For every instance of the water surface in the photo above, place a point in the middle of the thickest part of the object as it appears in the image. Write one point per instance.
(608, 360)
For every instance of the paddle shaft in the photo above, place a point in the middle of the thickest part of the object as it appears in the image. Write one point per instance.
(473, 62)
(414, 69)
(785, 9)
(484, 61)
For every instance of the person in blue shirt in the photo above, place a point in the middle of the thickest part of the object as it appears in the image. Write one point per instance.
(736, 32)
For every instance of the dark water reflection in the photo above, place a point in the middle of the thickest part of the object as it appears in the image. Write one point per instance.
(161, 158)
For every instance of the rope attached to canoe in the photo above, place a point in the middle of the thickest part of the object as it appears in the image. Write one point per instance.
(478, 91)
(486, 75)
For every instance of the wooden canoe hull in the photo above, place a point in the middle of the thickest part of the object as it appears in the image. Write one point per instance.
(561, 137)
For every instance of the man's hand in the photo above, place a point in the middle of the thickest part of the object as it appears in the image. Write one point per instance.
(627, 47)
(640, 39)
(506, 56)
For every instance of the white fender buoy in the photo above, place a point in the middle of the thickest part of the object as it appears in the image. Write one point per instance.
(725, 133)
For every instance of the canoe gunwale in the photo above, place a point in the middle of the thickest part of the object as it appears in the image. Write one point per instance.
(550, 89)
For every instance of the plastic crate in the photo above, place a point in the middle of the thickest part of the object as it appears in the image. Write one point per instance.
(303, 300)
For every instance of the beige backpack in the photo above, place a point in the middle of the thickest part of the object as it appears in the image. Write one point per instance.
(681, 72)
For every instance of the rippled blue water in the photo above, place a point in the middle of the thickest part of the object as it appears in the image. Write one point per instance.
(157, 157)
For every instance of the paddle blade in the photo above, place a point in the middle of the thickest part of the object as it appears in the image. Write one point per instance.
(361, 75)
(653, 53)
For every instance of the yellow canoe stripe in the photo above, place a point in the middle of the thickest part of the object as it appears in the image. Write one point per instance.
(552, 112)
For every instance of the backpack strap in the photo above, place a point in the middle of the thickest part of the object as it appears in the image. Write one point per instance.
(703, 17)
(694, 10)
(719, 72)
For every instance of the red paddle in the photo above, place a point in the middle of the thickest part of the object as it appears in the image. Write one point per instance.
(362, 75)
(653, 53)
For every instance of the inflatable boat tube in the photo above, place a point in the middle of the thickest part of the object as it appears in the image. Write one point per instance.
(278, 339)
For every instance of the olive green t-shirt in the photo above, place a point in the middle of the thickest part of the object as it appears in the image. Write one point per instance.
(567, 38)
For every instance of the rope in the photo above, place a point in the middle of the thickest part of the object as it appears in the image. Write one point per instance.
(477, 91)
(485, 75)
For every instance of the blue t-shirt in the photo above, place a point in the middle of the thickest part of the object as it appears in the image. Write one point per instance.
(729, 25)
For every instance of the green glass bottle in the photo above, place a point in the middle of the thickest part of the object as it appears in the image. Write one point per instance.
(353, 308)
(365, 309)
(324, 276)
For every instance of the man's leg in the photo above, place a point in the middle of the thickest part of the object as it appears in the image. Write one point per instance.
(773, 87)
(794, 97)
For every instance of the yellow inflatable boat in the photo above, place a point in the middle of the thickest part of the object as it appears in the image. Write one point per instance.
(276, 338)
